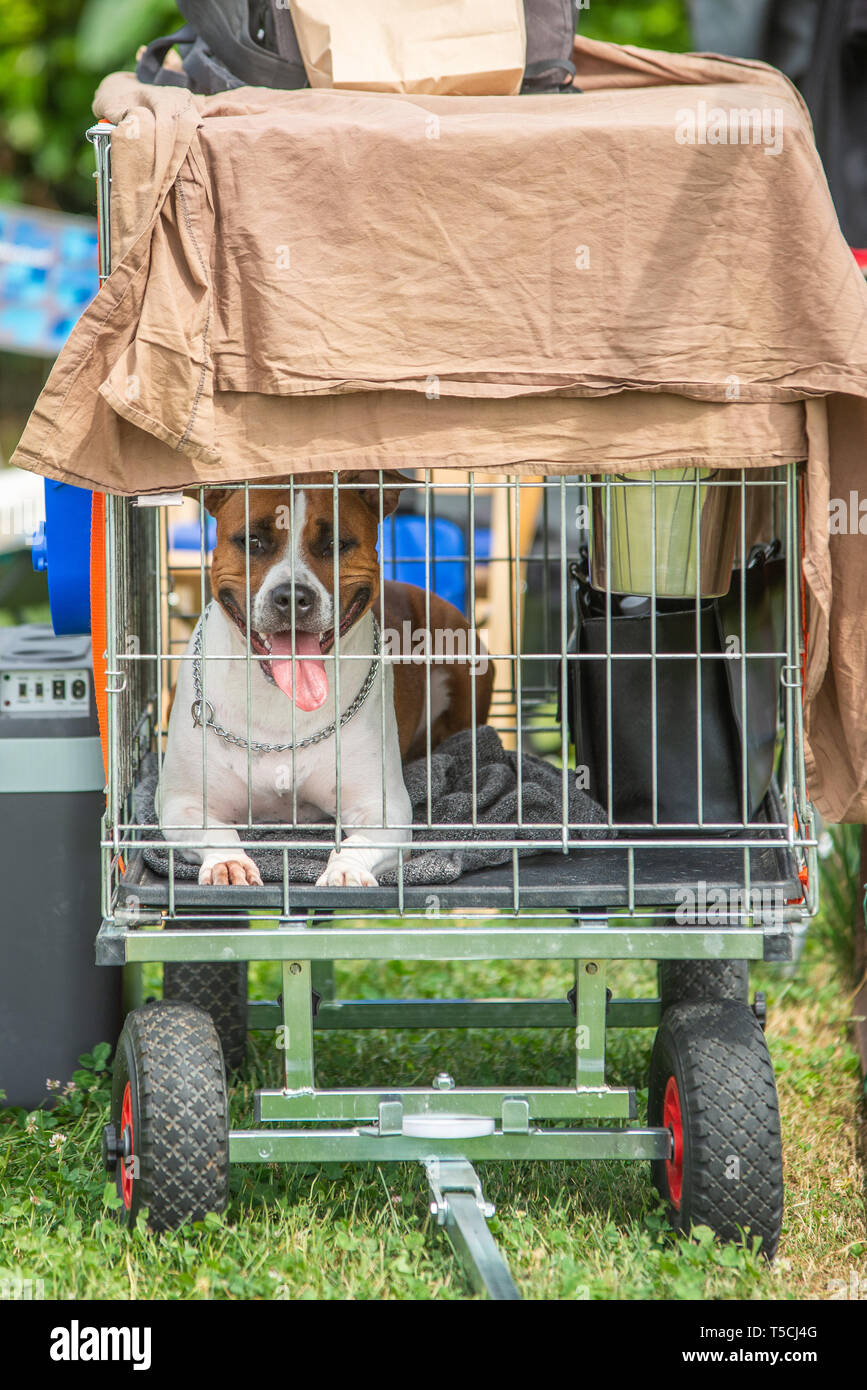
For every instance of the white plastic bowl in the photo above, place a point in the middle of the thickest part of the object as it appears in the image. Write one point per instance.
(447, 1126)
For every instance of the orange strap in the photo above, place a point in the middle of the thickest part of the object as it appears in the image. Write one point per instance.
(99, 635)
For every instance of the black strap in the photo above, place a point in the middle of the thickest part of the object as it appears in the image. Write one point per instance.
(539, 77)
(285, 37)
(206, 75)
(544, 65)
(149, 67)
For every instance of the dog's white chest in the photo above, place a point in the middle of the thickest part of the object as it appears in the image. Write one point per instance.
(282, 766)
(290, 788)
(296, 761)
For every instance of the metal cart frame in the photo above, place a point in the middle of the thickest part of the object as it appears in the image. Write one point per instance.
(523, 913)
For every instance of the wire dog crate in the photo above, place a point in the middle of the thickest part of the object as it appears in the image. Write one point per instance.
(637, 870)
(634, 791)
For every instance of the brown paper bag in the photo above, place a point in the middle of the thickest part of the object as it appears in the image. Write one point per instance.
(441, 47)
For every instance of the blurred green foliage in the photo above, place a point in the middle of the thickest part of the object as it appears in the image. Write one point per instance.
(647, 23)
(53, 53)
(52, 56)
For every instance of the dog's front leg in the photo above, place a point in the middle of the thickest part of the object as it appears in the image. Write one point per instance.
(362, 855)
(226, 862)
(371, 846)
(217, 848)
(186, 815)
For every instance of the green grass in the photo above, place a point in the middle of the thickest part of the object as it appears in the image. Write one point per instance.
(569, 1231)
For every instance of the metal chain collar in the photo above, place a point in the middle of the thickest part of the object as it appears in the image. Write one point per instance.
(210, 723)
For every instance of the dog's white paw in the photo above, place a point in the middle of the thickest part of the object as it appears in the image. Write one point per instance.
(341, 872)
(229, 868)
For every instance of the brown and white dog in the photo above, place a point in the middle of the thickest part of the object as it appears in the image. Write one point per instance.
(291, 568)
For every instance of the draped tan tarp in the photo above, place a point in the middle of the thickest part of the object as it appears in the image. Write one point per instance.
(647, 273)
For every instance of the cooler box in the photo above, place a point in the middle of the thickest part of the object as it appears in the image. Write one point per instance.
(54, 1002)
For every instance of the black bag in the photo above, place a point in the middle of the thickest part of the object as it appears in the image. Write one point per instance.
(723, 741)
(227, 44)
(236, 43)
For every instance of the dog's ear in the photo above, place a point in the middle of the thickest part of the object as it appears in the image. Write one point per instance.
(369, 489)
(215, 497)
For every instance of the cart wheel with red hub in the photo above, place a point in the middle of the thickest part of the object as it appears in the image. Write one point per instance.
(168, 1140)
(712, 1086)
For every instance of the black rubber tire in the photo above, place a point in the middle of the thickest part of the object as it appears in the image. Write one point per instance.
(169, 1053)
(732, 1174)
(221, 990)
(683, 980)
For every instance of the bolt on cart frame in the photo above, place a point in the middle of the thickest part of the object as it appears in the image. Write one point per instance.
(749, 880)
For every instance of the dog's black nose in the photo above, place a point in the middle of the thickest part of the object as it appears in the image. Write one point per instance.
(304, 600)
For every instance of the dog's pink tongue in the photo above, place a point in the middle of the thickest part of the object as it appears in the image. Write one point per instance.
(311, 683)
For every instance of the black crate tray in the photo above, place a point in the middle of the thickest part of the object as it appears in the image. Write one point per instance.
(591, 879)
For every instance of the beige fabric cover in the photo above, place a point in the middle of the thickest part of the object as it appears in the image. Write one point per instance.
(335, 279)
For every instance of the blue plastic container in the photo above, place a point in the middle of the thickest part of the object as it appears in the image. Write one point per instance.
(402, 550)
(187, 535)
(61, 549)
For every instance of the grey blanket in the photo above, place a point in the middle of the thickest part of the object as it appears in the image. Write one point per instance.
(451, 803)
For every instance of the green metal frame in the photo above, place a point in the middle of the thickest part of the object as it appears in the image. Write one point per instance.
(585, 1121)
(365, 1124)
